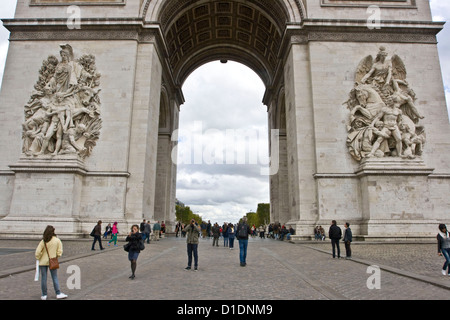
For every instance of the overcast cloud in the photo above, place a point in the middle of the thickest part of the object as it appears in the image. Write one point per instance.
(222, 99)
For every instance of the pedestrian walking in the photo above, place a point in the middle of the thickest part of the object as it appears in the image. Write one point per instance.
(134, 239)
(348, 238)
(147, 231)
(335, 234)
(142, 228)
(443, 241)
(49, 247)
(216, 234)
(97, 234)
(231, 235)
(225, 234)
(156, 230)
(192, 233)
(108, 230)
(114, 231)
(242, 232)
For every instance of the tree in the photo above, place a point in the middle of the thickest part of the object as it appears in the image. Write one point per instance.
(261, 216)
(263, 213)
(185, 214)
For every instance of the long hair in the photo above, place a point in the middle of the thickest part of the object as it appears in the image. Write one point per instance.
(49, 233)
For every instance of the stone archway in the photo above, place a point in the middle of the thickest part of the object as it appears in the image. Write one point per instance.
(308, 61)
(248, 32)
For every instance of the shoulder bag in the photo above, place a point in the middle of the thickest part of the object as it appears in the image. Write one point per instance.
(52, 262)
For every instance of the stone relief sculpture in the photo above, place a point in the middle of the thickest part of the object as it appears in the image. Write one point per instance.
(384, 121)
(63, 113)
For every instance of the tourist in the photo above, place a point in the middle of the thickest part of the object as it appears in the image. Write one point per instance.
(114, 231)
(108, 230)
(443, 240)
(242, 232)
(192, 233)
(348, 238)
(156, 230)
(231, 235)
(225, 234)
(147, 231)
(142, 228)
(335, 234)
(163, 228)
(208, 229)
(203, 227)
(134, 238)
(216, 234)
(262, 231)
(51, 246)
(177, 229)
(322, 233)
(97, 235)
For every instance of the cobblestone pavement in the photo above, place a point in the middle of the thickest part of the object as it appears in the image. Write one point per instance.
(275, 271)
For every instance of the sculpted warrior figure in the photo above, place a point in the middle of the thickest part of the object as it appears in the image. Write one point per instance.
(65, 102)
(383, 116)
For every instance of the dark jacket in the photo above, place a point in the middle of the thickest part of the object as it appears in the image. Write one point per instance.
(335, 232)
(348, 235)
(134, 240)
(98, 230)
(236, 231)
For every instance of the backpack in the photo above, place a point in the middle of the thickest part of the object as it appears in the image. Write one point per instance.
(242, 231)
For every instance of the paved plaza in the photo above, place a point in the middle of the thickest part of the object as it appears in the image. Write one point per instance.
(275, 270)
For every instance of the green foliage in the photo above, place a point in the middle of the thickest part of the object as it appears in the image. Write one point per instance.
(261, 216)
(185, 214)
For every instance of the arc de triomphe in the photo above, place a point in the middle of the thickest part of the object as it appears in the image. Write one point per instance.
(92, 93)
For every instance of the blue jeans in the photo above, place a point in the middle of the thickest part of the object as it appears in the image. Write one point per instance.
(225, 241)
(54, 274)
(446, 253)
(192, 249)
(243, 250)
(231, 241)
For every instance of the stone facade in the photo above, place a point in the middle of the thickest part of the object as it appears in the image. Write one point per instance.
(313, 57)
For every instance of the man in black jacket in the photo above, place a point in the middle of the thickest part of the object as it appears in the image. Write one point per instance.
(348, 238)
(242, 232)
(335, 234)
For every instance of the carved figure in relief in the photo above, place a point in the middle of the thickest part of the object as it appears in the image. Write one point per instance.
(383, 115)
(65, 103)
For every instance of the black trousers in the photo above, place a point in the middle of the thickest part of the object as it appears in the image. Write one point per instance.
(334, 244)
(348, 250)
(99, 239)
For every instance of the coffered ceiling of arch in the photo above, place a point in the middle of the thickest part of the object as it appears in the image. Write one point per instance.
(192, 27)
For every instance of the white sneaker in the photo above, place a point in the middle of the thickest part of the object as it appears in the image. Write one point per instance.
(43, 297)
(61, 296)
(444, 272)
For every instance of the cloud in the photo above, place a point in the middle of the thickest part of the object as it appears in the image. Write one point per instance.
(223, 142)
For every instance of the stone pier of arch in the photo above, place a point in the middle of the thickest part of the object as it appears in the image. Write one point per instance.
(308, 53)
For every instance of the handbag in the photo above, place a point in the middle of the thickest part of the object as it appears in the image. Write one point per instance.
(126, 247)
(141, 245)
(53, 263)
